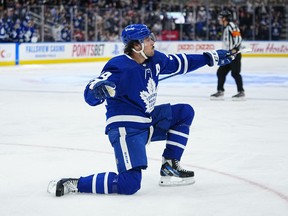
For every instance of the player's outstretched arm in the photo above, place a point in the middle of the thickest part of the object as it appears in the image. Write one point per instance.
(220, 57)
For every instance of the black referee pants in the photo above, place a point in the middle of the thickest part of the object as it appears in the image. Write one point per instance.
(235, 68)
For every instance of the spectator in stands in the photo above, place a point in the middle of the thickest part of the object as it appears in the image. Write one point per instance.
(201, 22)
(28, 31)
(56, 32)
(79, 21)
(263, 31)
(78, 35)
(189, 27)
(276, 30)
(213, 32)
(3, 33)
(66, 33)
(245, 23)
(17, 33)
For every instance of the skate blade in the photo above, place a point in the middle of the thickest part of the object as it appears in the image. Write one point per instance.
(52, 187)
(175, 181)
(221, 98)
(238, 99)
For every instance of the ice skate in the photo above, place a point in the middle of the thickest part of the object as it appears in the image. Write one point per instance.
(172, 174)
(239, 97)
(63, 186)
(219, 95)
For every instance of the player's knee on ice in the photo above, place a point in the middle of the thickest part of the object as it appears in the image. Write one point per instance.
(129, 182)
(182, 114)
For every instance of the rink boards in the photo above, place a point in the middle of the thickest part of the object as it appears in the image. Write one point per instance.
(51, 53)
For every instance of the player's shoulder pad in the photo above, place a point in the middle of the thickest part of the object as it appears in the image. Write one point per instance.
(118, 65)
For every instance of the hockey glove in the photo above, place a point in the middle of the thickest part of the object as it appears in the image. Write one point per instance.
(220, 57)
(103, 89)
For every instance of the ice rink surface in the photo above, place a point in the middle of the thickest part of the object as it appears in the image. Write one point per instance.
(238, 150)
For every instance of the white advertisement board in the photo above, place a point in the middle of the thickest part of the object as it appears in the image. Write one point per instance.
(191, 47)
(270, 48)
(67, 52)
(259, 48)
(7, 54)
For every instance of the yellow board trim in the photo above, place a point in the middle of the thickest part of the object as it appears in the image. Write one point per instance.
(57, 61)
(7, 63)
(265, 55)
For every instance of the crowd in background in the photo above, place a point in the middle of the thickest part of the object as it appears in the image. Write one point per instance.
(103, 20)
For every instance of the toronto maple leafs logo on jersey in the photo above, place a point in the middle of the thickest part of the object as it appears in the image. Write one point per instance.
(149, 96)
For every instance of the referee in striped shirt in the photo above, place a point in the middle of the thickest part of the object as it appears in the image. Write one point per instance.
(231, 41)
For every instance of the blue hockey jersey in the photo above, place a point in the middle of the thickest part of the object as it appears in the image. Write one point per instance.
(136, 86)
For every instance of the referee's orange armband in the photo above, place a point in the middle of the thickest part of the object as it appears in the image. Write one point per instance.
(236, 33)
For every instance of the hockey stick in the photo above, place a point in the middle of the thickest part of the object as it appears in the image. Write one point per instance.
(244, 50)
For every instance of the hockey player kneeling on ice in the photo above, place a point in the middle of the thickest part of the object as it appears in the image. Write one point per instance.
(128, 83)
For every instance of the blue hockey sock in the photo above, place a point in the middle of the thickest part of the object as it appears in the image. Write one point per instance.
(178, 133)
(101, 183)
